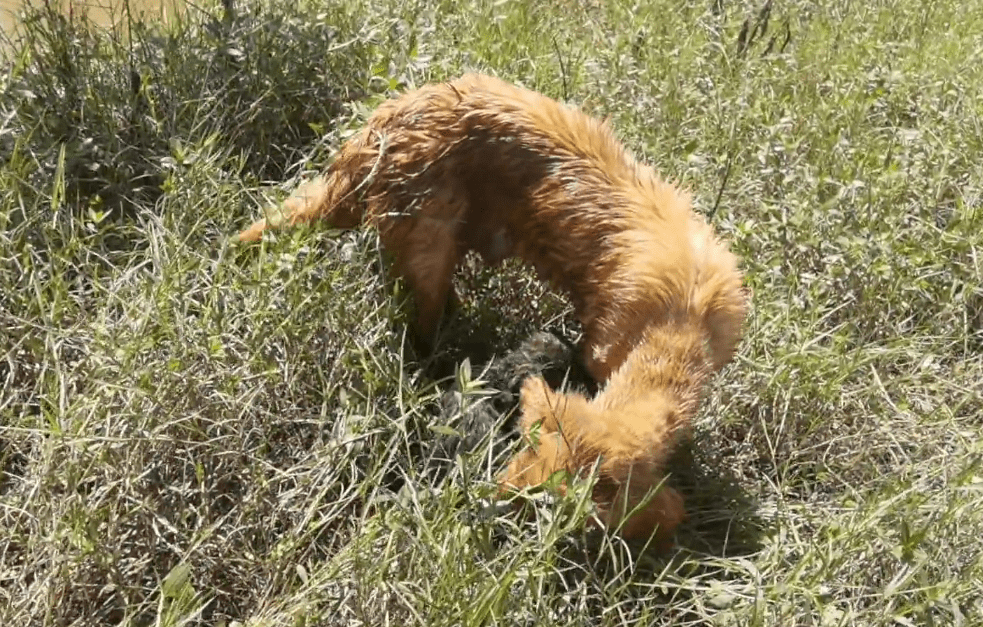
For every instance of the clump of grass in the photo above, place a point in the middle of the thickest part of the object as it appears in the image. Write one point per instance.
(192, 434)
(109, 113)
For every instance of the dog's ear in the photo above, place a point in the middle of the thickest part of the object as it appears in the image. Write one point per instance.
(539, 406)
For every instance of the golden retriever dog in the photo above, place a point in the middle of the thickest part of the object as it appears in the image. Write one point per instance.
(479, 164)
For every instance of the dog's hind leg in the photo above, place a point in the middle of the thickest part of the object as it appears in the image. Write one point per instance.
(427, 263)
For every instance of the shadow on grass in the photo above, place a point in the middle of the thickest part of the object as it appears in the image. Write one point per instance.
(723, 519)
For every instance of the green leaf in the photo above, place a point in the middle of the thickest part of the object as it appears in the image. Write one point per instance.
(177, 582)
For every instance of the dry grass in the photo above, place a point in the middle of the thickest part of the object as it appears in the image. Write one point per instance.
(195, 435)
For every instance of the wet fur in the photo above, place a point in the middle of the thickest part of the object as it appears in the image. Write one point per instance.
(479, 164)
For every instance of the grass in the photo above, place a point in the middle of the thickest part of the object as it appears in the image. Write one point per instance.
(192, 434)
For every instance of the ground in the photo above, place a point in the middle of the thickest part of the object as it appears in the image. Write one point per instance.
(197, 434)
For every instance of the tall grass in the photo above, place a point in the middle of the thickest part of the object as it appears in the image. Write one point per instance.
(191, 434)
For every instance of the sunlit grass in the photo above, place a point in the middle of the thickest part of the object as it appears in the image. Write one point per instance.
(194, 434)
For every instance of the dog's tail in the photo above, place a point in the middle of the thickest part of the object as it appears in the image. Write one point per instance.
(332, 197)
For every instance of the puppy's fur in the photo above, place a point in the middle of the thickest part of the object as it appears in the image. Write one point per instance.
(479, 164)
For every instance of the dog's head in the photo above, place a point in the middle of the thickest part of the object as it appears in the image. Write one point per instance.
(546, 411)
(640, 508)
(565, 434)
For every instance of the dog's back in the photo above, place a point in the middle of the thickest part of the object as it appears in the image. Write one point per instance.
(480, 164)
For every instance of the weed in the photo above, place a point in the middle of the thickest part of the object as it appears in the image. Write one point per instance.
(195, 435)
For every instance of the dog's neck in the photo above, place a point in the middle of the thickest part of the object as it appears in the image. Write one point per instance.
(670, 360)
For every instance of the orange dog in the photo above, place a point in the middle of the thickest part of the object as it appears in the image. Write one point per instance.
(479, 164)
